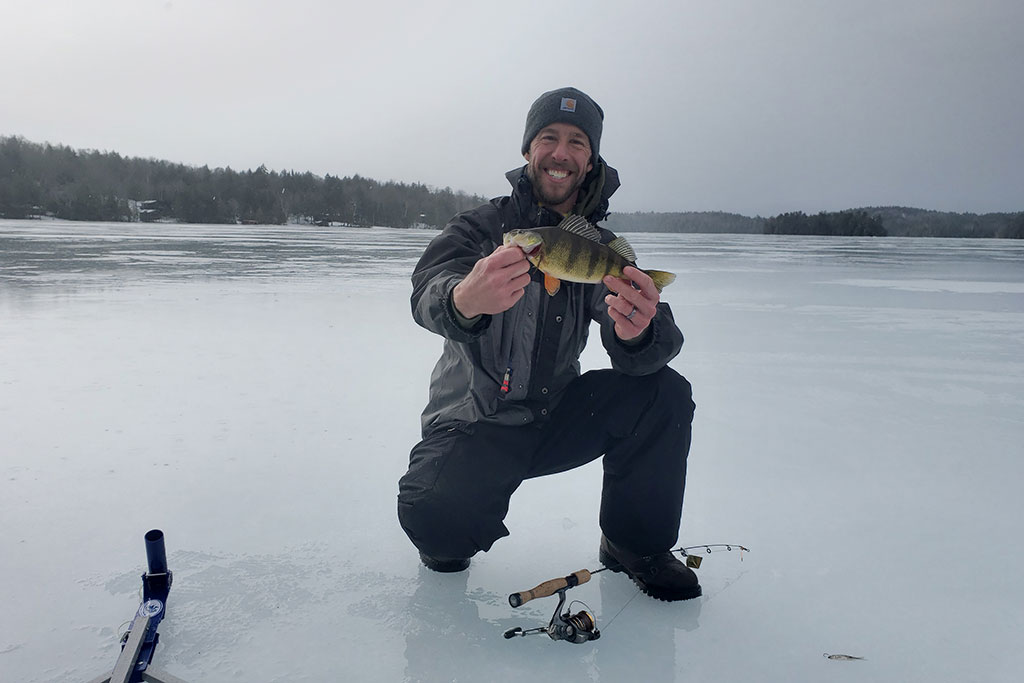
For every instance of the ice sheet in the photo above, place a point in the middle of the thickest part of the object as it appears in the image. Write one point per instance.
(254, 392)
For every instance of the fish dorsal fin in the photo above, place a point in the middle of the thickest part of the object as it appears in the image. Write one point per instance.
(621, 247)
(578, 225)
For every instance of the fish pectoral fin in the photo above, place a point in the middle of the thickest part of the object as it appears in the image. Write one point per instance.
(551, 284)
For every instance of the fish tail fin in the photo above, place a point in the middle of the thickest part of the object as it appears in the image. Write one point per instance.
(662, 278)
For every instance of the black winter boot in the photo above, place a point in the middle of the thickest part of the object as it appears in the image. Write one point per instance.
(663, 576)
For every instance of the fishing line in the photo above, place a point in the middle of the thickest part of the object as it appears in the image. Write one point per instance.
(609, 624)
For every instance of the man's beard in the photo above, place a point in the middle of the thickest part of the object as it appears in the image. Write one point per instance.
(541, 195)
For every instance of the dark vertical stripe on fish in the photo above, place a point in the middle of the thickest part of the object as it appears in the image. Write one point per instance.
(575, 249)
(594, 260)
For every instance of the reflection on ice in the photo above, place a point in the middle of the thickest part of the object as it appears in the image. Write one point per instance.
(61, 252)
(959, 286)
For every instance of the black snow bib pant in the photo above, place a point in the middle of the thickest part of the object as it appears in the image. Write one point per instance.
(454, 498)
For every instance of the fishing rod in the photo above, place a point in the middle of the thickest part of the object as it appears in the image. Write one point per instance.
(582, 626)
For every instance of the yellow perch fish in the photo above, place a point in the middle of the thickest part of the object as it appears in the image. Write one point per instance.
(572, 251)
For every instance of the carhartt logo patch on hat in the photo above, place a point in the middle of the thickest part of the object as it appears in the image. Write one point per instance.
(568, 104)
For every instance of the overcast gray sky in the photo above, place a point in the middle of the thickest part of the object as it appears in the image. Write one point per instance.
(744, 106)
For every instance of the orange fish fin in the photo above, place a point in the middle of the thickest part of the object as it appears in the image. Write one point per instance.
(551, 284)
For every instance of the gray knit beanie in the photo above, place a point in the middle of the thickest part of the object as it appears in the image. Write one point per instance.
(565, 105)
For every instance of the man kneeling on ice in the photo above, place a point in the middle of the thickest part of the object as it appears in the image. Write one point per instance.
(507, 400)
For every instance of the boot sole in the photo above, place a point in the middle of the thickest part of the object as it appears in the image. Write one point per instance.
(658, 593)
(444, 566)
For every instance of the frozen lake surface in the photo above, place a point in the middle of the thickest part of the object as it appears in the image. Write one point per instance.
(254, 393)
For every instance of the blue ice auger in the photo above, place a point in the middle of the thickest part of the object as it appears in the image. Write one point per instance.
(139, 644)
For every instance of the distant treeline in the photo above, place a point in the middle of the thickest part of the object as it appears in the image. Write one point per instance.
(692, 221)
(58, 181)
(907, 222)
(850, 223)
(874, 221)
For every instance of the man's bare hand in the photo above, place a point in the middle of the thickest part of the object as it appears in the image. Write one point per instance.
(631, 308)
(494, 285)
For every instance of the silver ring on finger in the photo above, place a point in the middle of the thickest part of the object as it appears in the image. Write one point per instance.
(631, 314)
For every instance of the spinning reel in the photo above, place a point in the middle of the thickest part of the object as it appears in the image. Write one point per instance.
(575, 628)
(582, 626)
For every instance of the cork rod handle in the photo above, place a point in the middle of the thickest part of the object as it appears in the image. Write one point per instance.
(549, 587)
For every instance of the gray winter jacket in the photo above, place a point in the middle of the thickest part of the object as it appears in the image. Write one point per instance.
(534, 347)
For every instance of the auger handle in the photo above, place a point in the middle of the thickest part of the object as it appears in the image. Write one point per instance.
(549, 587)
